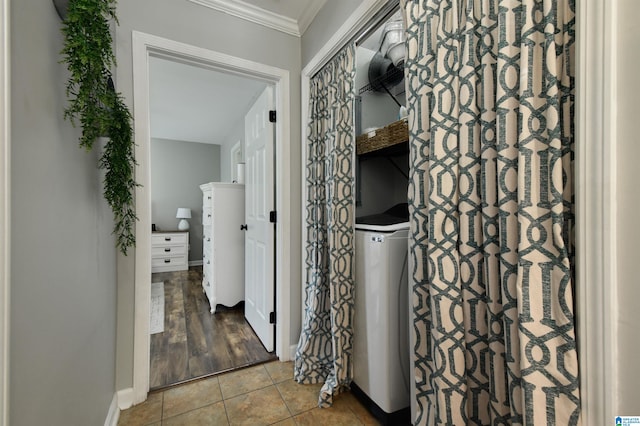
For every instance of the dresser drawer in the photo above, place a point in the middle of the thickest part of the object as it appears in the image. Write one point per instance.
(206, 235)
(207, 213)
(167, 250)
(169, 263)
(162, 240)
(206, 199)
(207, 257)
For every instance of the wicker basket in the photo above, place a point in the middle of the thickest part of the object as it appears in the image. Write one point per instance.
(395, 133)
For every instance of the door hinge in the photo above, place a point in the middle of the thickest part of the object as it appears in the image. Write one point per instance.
(272, 116)
(272, 318)
(273, 217)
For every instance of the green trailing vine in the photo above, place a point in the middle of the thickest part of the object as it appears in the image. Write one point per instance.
(98, 108)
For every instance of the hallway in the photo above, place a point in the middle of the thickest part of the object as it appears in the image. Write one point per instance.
(260, 395)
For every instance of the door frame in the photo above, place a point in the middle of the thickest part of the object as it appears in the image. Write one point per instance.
(143, 46)
(5, 209)
(233, 152)
(596, 191)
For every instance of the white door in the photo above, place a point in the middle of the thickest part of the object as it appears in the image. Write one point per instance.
(259, 290)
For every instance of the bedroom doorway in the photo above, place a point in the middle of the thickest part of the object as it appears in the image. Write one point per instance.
(146, 47)
(201, 121)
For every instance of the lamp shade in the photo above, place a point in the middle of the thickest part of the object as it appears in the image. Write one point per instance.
(183, 213)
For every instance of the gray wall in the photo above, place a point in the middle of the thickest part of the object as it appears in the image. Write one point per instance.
(178, 169)
(628, 34)
(196, 25)
(63, 282)
(328, 20)
(378, 108)
(381, 184)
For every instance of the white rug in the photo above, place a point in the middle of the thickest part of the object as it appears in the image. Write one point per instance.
(157, 308)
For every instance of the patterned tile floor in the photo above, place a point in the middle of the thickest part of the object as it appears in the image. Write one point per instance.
(261, 395)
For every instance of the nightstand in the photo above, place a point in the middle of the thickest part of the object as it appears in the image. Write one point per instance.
(169, 251)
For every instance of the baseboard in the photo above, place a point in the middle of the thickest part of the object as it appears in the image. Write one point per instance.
(195, 263)
(125, 398)
(292, 352)
(114, 412)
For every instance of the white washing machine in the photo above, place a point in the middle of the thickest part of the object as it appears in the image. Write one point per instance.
(381, 324)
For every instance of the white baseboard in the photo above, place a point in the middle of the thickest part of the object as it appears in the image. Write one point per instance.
(292, 352)
(125, 398)
(195, 263)
(114, 412)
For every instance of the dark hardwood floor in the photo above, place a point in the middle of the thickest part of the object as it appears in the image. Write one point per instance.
(196, 343)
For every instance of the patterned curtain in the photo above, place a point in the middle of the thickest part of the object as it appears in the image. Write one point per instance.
(490, 86)
(324, 352)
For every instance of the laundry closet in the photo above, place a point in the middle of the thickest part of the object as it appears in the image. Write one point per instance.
(381, 324)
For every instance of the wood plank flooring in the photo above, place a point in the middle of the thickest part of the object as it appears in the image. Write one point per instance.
(196, 343)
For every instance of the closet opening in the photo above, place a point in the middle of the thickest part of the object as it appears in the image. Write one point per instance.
(381, 376)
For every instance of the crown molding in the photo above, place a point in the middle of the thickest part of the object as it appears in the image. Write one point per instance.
(255, 14)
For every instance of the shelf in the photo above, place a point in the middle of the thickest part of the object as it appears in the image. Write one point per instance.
(401, 148)
(386, 137)
(394, 74)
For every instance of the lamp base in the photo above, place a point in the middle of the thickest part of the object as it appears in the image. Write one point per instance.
(183, 225)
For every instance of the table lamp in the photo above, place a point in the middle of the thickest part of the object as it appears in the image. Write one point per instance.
(183, 214)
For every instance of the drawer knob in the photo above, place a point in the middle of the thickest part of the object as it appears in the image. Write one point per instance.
(167, 250)
(167, 238)
(209, 197)
(208, 262)
(167, 261)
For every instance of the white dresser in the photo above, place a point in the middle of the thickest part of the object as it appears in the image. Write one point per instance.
(169, 251)
(223, 243)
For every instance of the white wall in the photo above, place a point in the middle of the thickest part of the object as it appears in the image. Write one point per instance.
(628, 143)
(237, 135)
(193, 24)
(378, 108)
(178, 169)
(63, 282)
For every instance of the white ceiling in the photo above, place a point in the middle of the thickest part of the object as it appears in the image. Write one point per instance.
(195, 104)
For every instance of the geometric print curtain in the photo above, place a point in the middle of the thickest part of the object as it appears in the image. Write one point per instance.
(490, 94)
(324, 352)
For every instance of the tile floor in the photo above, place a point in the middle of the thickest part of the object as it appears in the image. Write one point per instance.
(260, 395)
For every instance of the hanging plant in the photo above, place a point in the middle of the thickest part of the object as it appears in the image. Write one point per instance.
(98, 108)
